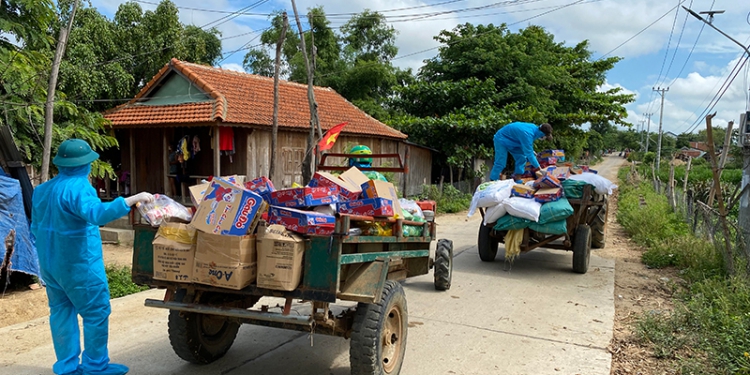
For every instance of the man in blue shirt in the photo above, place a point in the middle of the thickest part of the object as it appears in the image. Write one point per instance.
(517, 138)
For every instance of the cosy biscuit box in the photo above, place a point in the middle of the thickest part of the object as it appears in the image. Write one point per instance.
(225, 261)
(381, 189)
(347, 191)
(227, 209)
(548, 195)
(378, 207)
(280, 254)
(303, 222)
(523, 191)
(262, 186)
(304, 197)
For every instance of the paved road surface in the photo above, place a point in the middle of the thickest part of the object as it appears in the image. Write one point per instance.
(538, 318)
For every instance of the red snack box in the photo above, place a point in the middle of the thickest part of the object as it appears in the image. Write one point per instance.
(347, 192)
(260, 185)
(548, 195)
(368, 207)
(547, 182)
(522, 191)
(304, 197)
(305, 222)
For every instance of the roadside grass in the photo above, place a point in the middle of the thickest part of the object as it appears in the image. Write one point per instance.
(709, 330)
(120, 283)
(450, 200)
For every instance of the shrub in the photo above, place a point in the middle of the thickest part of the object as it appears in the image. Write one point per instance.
(120, 283)
(450, 200)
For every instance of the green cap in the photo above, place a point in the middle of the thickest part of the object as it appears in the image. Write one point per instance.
(74, 153)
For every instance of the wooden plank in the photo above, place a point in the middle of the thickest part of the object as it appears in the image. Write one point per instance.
(370, 257)
(133, 175)
(217, 152)
(165, 162)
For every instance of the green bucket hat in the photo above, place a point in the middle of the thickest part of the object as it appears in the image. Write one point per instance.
(74, 153)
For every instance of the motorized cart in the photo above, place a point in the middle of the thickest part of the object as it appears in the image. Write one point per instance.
(586, 228)
(204, 320)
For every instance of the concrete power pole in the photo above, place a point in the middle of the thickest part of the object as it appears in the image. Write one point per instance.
(661, 91)
(648, 130)
(641, 127)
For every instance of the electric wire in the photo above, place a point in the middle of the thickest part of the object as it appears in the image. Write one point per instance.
(679, 39)
(669, 42)
(700, 32)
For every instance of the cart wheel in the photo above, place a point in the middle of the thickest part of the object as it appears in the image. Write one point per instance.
(443, 264)
(487, 244)
(582, 249)
(379, 331)
(200, 338)
(599, 227)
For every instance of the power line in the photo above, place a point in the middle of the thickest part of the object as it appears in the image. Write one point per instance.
(703, 25)
(669, 41)
(640, 32)
(679, 39)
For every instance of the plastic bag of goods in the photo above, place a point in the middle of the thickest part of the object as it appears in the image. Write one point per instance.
(601, 184)
(163, 208)
(490, 194)
(525, 208)
(412, 207)
(493, 213)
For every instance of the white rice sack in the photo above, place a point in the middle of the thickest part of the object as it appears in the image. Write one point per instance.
(490, 194)
(493, 213)
(601, 184)
(525, 208)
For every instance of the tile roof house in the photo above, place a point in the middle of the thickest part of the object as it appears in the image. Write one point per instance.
(227, 115)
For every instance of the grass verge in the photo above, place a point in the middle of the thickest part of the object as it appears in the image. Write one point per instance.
(709, 330)
(120, 283)
(450, 200)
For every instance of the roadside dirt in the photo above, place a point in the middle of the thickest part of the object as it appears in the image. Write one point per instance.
(23, 304)
(638, 291)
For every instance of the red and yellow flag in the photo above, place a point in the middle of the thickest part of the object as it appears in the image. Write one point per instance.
(330, 137)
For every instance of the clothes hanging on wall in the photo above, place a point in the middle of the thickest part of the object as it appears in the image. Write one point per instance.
(183, 147)
(226, 142)
(196, 145)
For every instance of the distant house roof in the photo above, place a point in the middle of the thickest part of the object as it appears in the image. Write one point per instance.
(670, 134)
(699, 145)
(237, 99)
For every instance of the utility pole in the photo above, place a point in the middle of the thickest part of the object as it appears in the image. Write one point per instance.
(648, 130)
(275, 127)
(49, 106)
(661, 91)
(744, 214)
(640, 132)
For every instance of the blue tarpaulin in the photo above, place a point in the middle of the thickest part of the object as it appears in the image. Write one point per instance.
(13, 217)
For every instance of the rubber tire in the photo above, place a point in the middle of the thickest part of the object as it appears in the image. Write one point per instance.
(599, 228)
(582, 249)
(443, 264)
(486, 244)
(189, 341)
(366, 349)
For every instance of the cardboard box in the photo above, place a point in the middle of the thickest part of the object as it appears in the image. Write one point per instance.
(368, 207)
(547, 182)
(523, 191)
(559, 154)
(304, 222)
(228, 210)
(547, 161)
(354, 177)
(347, 191)
(197, 192)
(174, 251)
(225, 261)
(305, 197)
(261, 185)
(381, 189)
(561, 173)
(548, 195)
(280, 255)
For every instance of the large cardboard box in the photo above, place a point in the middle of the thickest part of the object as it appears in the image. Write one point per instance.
(229, 210)
(197, 192)
(262, 186)
(174, 251)
(304, 222)
(280, 254)
(381, 189)
(347, 191)
(225, 261)
(354, 177)
(305, 197)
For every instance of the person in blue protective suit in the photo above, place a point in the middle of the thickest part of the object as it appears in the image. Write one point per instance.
(66, 216)
(517, 138)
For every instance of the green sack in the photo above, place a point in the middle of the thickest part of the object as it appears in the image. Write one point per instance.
(508, 222)
(554, 227)
(555, 211)
(573, 189)
(412, 231)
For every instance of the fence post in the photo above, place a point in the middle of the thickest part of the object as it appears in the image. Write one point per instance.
(689, 201)
(729, 254)
(670, 188)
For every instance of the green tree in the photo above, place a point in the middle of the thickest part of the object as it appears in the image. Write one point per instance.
(258, 61)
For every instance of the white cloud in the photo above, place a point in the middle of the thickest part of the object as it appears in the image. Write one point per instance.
(233, 66)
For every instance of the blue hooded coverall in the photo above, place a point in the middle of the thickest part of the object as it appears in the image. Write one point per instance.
(518, 139)
(65, 221)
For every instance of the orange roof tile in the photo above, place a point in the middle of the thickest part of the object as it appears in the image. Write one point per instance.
(246, 99)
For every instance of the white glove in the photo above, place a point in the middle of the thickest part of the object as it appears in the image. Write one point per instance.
(139, 198)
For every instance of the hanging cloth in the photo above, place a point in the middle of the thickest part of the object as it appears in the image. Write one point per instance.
(226, 139)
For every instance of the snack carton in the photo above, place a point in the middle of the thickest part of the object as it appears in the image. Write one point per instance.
(225, 261)
(378, 207)
(228, 210)
(381, 189)
(304, 197)
(304, 222)
(548, 195)
(522, 191)
(347, 192)
(280, 255)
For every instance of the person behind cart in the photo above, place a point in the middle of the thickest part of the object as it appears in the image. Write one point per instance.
(66, 216)
(365, 162)
(517, 138)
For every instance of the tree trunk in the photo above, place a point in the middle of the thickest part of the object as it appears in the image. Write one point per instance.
(50, 104)
(728, 253)
(314, 121)
(275, 128)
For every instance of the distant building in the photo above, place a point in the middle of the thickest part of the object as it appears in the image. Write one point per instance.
(670, 134)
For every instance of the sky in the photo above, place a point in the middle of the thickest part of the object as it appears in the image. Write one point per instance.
(660, 44)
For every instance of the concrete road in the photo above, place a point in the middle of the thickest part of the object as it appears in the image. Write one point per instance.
(538, 318)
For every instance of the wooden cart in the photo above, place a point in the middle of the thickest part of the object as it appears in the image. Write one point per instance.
(586, 228)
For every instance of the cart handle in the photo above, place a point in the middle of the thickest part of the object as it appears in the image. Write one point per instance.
(402, 168)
